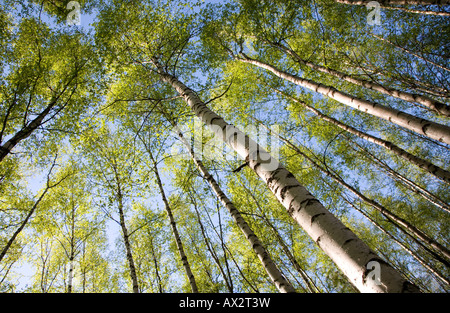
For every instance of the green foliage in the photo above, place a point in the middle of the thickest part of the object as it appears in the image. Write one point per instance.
(111, 118)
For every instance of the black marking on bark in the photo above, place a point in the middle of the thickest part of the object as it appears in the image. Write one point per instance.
(272, 176)
(290, 175)
(290, 207)
(308, 202)
(318, 240)
(313, 218)
(213, 119)
(255, 246)
(425, 127)
(348, 241)
(284, 190)
(257, 164)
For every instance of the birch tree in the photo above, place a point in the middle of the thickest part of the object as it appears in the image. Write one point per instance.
(276, 276)
(112, 166)
(357, 132)
(49, 73)
(424, 127)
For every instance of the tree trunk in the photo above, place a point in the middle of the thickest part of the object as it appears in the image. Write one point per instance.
(311, 287)
(175, 232)
(70, 279)
(411, 52)
(434, 271)
(125, 235)
(427, 195)
(26, 131)
(72, 246)
(386, 5)
(282, 284)
(31, 212)
(349, 253)
(155, 262)
(385, 212)
(424, 127)
(419, 162)
(309, 283)
(437, 106)
(211, 249)
(21, 227)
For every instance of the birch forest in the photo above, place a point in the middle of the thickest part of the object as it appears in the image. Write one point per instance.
(236, 146)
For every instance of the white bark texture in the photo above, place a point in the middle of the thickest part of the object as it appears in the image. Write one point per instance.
(282, 284)
(348, 252)
(430, 103)
(438, 172)
(421, 126)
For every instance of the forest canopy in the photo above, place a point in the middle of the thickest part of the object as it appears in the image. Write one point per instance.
(224, 146)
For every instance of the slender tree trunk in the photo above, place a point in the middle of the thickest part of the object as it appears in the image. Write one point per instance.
(311, 287)
(434, 271)
(22, 226)
(348, 252)
(385, 212)
(72, 246)
(125, 235)
(427, 195)
(69, 284)
(27, 130)
(405, 79)
(211, 249)
(173, 224)
(424, 127)
(437, 106)
(415, 160)
(227, 276)
(155, 262)
(309, 283)
(282, 284)
(411, 52)
(31, 212)
(84, 270)
(425, 12)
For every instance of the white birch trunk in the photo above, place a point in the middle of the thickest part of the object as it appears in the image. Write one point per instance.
(349, 253)
(437, 106)
(282, 284)
(434, 170)
(125, 235)
(421, 126)
(173, 224)
(70, 279)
